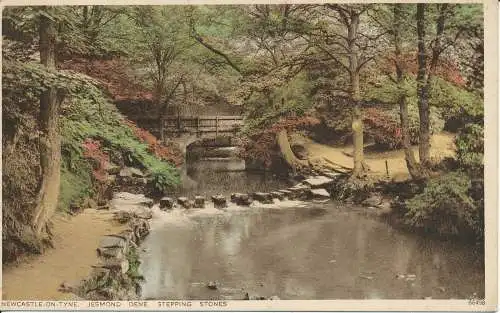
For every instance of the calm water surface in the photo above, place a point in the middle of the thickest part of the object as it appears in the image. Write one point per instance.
(312, 251)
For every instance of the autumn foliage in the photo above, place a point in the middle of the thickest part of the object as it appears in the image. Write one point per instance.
(384, 129)
(446, 68)
(114, 76)
(92, 150)
(169, 153)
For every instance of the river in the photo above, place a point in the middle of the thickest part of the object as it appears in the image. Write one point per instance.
(295, 250)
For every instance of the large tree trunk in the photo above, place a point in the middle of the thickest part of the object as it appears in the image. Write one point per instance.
(423, 89)
(50, 143)
(357, 118)
(287, 153)
(411, 162)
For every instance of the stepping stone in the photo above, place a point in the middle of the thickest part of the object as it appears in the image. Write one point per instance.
(319, 194)
(262, 197)
(166, 203)
(240, 199)
(299, 191)
(318, 182)
(278, 195)
(184, 202)
(219, 201)
(199, 202)
(287, 193)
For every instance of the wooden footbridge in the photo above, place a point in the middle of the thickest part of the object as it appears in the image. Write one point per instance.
(201, 126)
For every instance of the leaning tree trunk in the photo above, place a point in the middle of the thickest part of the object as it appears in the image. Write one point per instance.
(50, 143)
(287, 153)
(423, 89)
(411, 162)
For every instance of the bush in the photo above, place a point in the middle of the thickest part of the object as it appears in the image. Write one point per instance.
(458, 105)
(75, 185)
(470, 149)
(384, 125)
(446, 207)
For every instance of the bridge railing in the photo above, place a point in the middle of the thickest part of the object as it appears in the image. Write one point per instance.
(194, 124)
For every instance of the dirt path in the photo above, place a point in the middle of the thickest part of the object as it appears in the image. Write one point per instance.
(75, 239)
(442, 145)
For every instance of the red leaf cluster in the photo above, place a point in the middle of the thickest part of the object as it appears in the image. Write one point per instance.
(446, 69)
(113, 75)
(167, 153)
(92, 150)
(384, 129)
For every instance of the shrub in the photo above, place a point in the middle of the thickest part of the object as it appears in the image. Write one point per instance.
(457, 104)
(74, 186)
(93, 151)
(446, 207)
(470, 149)
(384, 125)
(166, 153)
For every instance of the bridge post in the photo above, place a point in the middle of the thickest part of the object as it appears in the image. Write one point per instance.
(216, 126)
(197, 125)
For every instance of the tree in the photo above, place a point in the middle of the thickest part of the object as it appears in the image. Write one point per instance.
(50, 142)
(398, 19)
(426, 72)
(340, 36)
(165, 38)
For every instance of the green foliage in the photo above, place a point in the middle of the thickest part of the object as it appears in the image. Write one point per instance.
(75, 185)
(86, 113)
(448, 102)
(446, 207)
(436, 121)
(456, 102)
(134, 263)
(291, 99)
(470, 149)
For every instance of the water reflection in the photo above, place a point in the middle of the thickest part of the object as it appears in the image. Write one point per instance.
(316, 252)
(225, 176)
(298, 254)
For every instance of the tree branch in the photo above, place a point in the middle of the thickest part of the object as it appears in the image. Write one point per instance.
(216, 51)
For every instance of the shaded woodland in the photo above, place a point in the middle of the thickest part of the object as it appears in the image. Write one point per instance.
(74, 79)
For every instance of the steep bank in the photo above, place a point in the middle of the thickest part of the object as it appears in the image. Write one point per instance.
(96, 143)
(75, 240)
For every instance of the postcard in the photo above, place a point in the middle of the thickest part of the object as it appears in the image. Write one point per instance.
(249, 155)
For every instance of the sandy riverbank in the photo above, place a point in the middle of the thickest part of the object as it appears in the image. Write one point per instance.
(75, 240)
(442, 145)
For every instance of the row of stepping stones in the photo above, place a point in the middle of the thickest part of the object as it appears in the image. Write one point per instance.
(312, 188)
